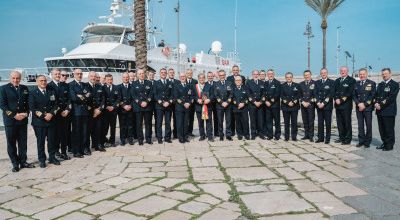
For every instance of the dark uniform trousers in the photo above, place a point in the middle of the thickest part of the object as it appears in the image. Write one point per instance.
(364, 92)
(223, 93)
(290, 93)
(209, 127)
(62, 132)
(240, 95)
(110, 117)
(143, 92)
(95, 130)
(15, 100)
(344, 91)
(324, 94)
(163, 114)
(272, 113)
(386, 97)
(79, 95)
(183, 94)
(40, 104)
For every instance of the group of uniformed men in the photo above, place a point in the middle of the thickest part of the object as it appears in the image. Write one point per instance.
(77, 116)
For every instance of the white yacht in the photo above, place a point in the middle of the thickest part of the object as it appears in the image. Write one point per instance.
(109, 48)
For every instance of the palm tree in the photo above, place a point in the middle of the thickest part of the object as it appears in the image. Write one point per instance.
(140, 34)
(324, 8)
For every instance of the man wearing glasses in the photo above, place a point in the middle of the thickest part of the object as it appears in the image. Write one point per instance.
(223, 95)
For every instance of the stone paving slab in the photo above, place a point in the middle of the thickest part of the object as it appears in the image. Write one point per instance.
(256, 179)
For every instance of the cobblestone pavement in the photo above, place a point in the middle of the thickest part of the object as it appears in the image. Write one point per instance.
(221, 180)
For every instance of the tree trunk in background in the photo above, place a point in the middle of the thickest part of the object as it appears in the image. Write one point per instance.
(324, 26)
(140, 34)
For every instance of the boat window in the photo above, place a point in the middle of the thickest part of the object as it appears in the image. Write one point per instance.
(101, 39)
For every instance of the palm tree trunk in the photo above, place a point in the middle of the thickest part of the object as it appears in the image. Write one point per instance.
(140, 34)
(324, 26)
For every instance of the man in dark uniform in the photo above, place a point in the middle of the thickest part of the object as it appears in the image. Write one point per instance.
(171, 78)
(62, 116)
(64, 79)
(272, 105)
(386, 109)
(256, 98)
(290, 96)
(132, 78)
(14, 104)
(142, 95)
(110, 112)
(163, 95)
(210, 81)
(125, 113)
(262, 78)
(363, 96)
(231, 79)
(191, 82)
(223, 95)
(80, 95)
(151, 78)
(344, 86)
(43, 104)
(324, 95)
(96, 106)
(203, 96)
(307, 100)
(183, 96)
(240, 96)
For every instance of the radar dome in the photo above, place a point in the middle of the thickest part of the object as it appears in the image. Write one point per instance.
(182, 48)
(216, 47)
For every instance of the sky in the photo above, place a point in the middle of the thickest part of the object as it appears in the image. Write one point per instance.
(269, 32)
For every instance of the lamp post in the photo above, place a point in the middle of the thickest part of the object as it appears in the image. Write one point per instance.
(308, 33)
(177, 9)
(337, 49)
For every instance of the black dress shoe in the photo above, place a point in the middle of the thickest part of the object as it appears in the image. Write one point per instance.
(253, 138)
(366, 145)
(26, 165)
(262, 137)
(87, 152)
(286, 139)
(65, 157)
(277, 139)
(42, 164)
(123, 143)
(229, 138)
(380, 147)
(221, 138)
(240, 138)
(327, 142)
(319, 141)
(345, 143)
(187, 140)
(359, 145)
(54, 161)
(140, 143)
(312, 140)
(168, 141)
(247, 137)
(15, 169)
(269, 138)
(131, 142)
(211, 139)
(304, 138)
(387, 149)
(78, 155)
(149, 142)
(202, 138)
(181, 141)
(160, 141)
(294, 139)
(338, 141)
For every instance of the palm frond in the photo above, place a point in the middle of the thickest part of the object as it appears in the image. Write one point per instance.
(324, 7)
